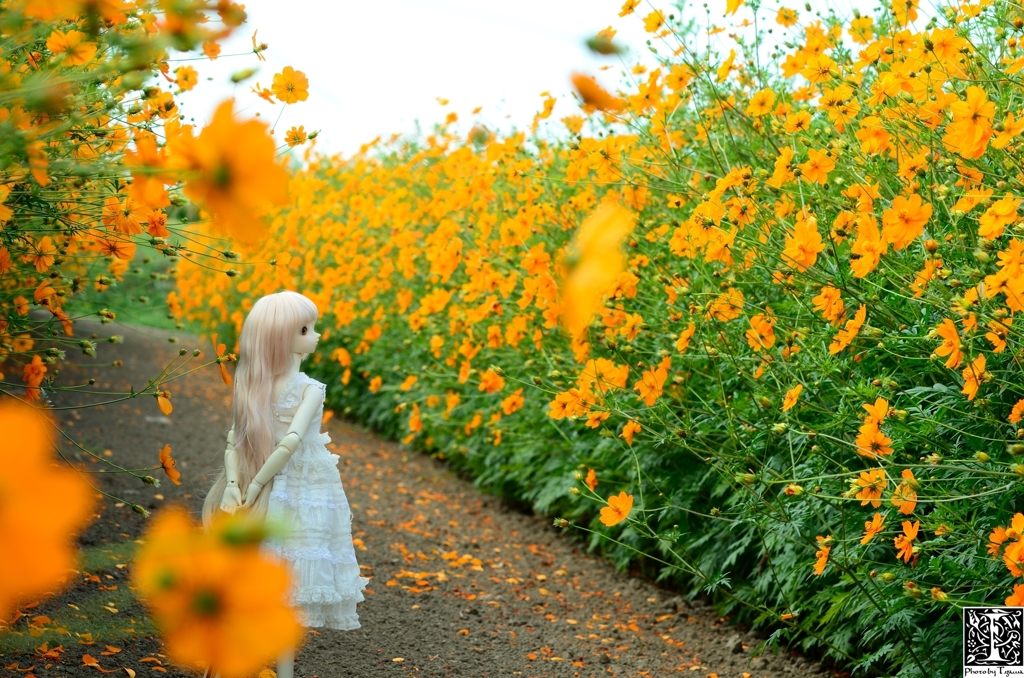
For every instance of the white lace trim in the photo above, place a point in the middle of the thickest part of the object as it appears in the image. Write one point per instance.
(312, 553)
(290, 396)
(281, 496)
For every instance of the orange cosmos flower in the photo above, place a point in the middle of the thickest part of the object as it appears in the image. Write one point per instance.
(650, 384)
(904, 497)
(219, 348)
(295, 136)
(683, 342)
(905, 220)
(45, 10)
(632, 426)
(124, 217)
(905, 542)
(950, 343)
(654, 21)
(121, 249)
(876, 412)
(1015, 599)
(996, 218)
(185, 77)
(42, 505)
(871, 442)
(871, 483)
(761, 103)
(168, 465)
(42, 254)
(213, 595)
(905, 11)
(803, 246)
(290, 85)
(792, 395)
(1017, 412)
(72, 46)
(591, 479)
(971, 128)
(726, 306)
(567, 404)
(850, 330)
(973, 375)
(872, 527)
(157, 224)
(786, 17)
(263, 93)
(867, 250)
(230, 170)
(824, 548)
(617, 510)
(163, 401)
(491, 381)
(595, 95)
(33, 376)
(830, 304)
(598, 261)
(817, 167)
(761, 335)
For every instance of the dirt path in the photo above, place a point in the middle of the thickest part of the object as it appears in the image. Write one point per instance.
(460, 585)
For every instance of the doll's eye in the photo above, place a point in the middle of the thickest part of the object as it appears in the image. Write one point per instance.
(303, 330)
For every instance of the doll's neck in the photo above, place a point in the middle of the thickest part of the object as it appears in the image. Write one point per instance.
(296, 363)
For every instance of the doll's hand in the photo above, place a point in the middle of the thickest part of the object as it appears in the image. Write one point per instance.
(231, 500)
(251, 494)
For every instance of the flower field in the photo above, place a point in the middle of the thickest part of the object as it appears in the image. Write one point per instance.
(746, 324)
(797, 389)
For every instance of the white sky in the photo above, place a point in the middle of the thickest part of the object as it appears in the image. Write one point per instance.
(377, 67)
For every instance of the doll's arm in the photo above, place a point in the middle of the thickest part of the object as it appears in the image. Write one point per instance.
(311, 399)
(232, 498)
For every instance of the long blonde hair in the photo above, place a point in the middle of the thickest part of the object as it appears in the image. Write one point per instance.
(264, 353)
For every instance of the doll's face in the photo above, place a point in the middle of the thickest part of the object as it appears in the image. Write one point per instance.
(305, 339)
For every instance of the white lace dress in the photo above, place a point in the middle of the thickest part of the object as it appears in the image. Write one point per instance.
(308, 498)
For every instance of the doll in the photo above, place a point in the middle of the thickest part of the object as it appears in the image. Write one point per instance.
(276, 465)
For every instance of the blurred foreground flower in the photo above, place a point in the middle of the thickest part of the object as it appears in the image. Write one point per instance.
(230, 171)
(42, 505)
(595, 95)
(598, 264)
(213, 595)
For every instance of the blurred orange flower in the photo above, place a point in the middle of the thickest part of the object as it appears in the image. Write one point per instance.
(595, 95)
(231, 171)
(214, 596)
(42, 504)
(598, 263)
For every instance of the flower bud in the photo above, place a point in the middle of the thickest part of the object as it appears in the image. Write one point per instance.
(888, 577)
(1015, 449)
(561, 522)
(982, 457)
(939, 594)
(794, 490)
(746, 478)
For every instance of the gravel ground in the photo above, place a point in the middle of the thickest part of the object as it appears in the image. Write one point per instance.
(461, 584)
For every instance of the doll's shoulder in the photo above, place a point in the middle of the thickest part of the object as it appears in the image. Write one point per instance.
(318, 387)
